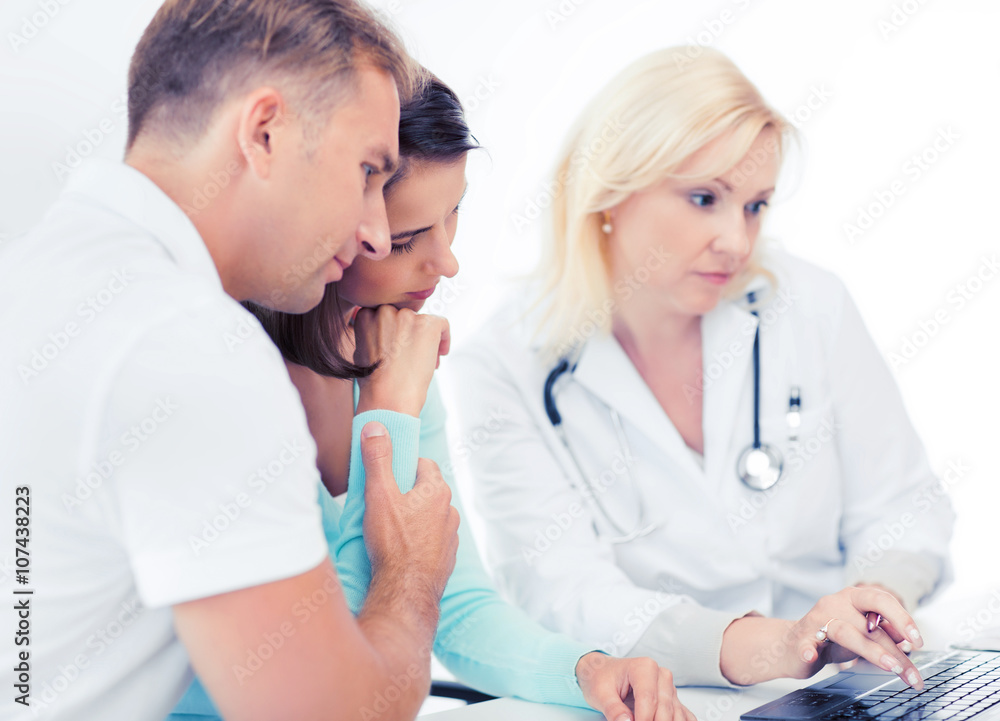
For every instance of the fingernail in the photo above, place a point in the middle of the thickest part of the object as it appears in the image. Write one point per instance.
(623, 717)
(913, 633)
(890, 664)
(906, 646)
(372, 429)
(912, 678)
(807, 655)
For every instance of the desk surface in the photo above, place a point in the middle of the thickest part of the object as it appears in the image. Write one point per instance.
(940, 622)
(708, 704)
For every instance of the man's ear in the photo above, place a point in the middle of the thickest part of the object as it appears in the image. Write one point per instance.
(263, 129)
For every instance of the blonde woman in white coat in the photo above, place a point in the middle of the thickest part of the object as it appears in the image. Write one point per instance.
(637, 533)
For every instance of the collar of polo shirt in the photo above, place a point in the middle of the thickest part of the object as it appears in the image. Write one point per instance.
(134, 196)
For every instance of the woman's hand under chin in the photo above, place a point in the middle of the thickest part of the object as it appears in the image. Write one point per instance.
(407, 347)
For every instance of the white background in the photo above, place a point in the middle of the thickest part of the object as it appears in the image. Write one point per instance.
(894, 75)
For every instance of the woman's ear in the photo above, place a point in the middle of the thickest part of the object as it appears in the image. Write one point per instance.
(607, 225)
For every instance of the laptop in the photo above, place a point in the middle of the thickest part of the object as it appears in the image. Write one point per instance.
(958, 685)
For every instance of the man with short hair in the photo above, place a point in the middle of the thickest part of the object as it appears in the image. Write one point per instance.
(150, 425)
(159, 467)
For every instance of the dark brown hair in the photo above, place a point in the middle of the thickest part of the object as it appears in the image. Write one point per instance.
(312, 339)
(196, 53)
(432, 128)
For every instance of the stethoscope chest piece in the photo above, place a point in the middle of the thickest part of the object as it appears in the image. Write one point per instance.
(760, 467)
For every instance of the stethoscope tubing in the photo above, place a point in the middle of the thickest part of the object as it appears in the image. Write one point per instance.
(759, 467)
(555, 418)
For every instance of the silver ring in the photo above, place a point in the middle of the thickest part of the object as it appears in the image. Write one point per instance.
(823, 634)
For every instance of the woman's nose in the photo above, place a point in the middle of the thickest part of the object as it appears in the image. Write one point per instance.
(734, 236)
(443, 261)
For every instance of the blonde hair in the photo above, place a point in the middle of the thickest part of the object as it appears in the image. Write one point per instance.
(635, 133)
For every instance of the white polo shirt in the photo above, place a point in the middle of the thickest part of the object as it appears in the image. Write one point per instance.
(165, 449)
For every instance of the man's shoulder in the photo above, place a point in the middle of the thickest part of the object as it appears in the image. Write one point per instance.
(199, 335)
(90, 306)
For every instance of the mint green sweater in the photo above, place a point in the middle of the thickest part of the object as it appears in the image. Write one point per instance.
(484, 641)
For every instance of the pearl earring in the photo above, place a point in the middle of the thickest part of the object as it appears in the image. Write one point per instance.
(607, 224)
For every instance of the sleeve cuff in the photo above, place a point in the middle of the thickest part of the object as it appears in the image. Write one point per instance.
(350, 553)
(264, 560)
(687, 639)
(911, 576)
(404, 430)
(555, 677)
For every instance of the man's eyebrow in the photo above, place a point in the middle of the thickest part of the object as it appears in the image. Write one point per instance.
(409, 233)
(388, 163)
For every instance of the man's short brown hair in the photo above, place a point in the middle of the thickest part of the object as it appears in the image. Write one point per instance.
(196, 53)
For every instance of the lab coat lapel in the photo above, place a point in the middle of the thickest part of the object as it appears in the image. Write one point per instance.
(606, 371)
(727, 335)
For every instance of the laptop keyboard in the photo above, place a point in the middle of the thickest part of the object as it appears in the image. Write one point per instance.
(955, 689)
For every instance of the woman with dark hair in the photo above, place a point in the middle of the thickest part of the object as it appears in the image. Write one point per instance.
(371, 315)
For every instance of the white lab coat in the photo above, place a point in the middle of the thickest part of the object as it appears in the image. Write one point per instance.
(859, 500)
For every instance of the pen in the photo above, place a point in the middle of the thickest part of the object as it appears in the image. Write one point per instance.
(793, 417)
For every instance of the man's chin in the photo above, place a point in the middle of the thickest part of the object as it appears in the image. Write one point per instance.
(296, 302)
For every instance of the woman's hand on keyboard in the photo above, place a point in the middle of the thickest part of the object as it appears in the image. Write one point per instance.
(756, 649)
(844, 615)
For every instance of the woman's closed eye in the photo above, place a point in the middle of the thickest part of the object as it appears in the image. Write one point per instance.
(406, 247)
(404, 240)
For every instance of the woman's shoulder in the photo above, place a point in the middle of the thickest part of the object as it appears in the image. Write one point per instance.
(503, 358)
(508, 334)
(803, 285)
(791, 269)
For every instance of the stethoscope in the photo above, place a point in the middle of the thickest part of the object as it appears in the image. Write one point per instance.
(760, 466)
(641, 527)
